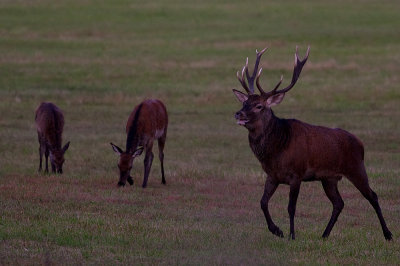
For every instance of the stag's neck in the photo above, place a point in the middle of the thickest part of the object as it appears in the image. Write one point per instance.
(269, 137)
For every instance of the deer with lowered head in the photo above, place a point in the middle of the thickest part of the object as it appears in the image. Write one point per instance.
(50, 123)
(147, 122)
(291, 151)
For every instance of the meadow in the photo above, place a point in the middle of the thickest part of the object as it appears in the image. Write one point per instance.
(97, 59)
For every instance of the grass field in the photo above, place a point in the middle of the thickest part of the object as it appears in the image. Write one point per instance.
(98, 59)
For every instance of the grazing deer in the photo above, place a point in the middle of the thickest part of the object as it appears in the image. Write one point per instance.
(147, 122)
(50, 123)
(291, 151)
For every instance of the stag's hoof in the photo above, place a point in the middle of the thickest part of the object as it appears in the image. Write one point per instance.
(276, 231)
(388, 235)
(130, 181)
(292, 237)
(120, 184)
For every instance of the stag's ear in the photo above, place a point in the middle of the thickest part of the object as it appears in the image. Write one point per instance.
(240, 96)
(66, 146)
(137, 152)
(275, 99)
(116, 149)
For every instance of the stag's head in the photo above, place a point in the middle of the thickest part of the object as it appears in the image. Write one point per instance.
(257, 107)
(125, 163)
(57, 158)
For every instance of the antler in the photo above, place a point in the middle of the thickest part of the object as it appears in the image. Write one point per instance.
(241, 79)
(298, 66)
(250, 79)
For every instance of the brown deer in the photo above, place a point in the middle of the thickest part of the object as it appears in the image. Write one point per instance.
(147, 122)
(291, 151)
(50, 123)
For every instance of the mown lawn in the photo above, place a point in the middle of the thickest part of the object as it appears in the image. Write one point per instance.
(98, 59)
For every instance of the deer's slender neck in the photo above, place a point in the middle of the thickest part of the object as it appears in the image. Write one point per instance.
(55, 137)
(269, 137)
(132, 138)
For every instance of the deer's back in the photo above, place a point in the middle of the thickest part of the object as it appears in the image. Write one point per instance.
(317, 152)
(50, 123)
(152, 119)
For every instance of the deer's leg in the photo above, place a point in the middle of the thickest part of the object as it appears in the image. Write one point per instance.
(161, 143)
(148, 160)
(269, 189)
(130, 180)
(331, 190)
(293, 194)
(40, 153)
(360, 181)
(40, 158)
(46, 156)
(53, 167)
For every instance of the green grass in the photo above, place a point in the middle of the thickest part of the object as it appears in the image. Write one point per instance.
(98, 59)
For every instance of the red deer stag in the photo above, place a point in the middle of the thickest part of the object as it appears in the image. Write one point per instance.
(291, 151)
(50, 123)
(147, 122)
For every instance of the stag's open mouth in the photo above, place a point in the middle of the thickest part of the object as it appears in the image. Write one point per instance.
(242, 122)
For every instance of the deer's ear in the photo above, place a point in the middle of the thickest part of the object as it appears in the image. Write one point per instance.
(65, 148)
(116, 149)
(275, 99)
(240, 96)
(137, 152)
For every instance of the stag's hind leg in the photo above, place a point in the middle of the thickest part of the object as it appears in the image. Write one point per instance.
(360, 181)
(269, 189)
(161, 144)
(331, 190)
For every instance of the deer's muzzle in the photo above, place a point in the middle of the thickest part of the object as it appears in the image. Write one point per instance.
(241, 118)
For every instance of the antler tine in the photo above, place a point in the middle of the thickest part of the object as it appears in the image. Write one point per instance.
(258, 82)
(259, 54)
(298, 66)
(242, 81)
(277, 85)
(250, 79)
(245, 68)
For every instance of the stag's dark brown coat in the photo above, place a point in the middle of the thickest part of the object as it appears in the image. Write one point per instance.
(291, 151)
(148, 122)
(50, 123)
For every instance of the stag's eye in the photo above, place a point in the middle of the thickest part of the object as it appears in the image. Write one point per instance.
(259, 106)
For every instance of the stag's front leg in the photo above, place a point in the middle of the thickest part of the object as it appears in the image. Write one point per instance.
(269, 189)
(293, 194)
